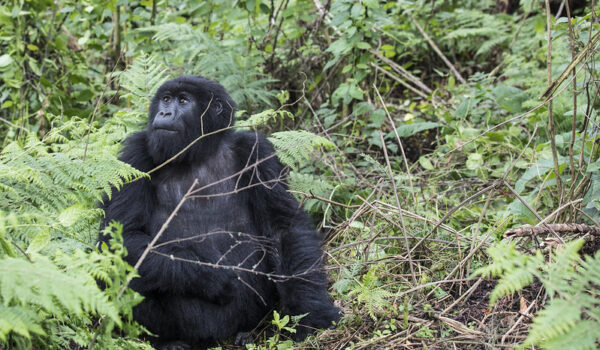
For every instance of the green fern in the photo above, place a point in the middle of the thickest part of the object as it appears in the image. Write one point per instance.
(52, 302)
(141, 80)
(294, 147)
(226, 61)
(54, 192)
(20, 320)
(263, 117)
(49, 268)
(308, 183)
(370, 293)
(488, 31)
(347, 279)
(571, 318)
(44, 285)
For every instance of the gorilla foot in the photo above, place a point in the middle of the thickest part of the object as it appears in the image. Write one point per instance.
(243, 338)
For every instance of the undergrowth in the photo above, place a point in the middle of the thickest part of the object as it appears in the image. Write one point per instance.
(458, 197)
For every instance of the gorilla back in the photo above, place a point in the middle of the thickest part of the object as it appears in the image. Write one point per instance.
(238, 246)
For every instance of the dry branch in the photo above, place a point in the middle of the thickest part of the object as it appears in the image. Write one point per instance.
(586, 51)
(438, 51)
(525, 231)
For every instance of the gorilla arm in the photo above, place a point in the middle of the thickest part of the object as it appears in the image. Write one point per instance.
(300, 256)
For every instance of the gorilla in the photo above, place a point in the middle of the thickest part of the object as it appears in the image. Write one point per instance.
(233, 244)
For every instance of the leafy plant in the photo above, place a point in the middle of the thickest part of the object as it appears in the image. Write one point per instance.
(571, 317)
(285, 323)
(294, 146)
(370, 293)
(52, 302)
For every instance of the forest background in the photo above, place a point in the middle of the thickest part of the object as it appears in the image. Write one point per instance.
(447, 149)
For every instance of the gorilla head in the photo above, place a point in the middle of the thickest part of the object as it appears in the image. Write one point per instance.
(183, 111)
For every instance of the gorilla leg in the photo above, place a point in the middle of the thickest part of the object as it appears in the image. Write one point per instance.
(195, 321)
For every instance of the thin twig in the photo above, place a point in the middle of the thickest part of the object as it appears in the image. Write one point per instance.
(586, 51)
(551, 129)
(159, 234)
(473, 251)
(391, 174)
(521, 318)
(557, 211)
(402, 82)
(399, 144)
(574, 124)
(449, 213)
(402, 72)
(439, 53)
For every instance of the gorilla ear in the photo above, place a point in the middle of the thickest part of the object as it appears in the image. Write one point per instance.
(218, 106)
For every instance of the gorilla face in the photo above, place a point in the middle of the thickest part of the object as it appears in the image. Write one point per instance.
(186, 111)
(173, 111)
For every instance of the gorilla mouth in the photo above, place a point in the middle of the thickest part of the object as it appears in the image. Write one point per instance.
(164, 129)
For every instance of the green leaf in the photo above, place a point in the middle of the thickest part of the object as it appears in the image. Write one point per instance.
(339, 47)
(5, 60)
(474, 161)
(377, 118)
(357, 11)
(496, 136)
(407, 130)
(372, 4)
(537, 170)
(39, 242)
(363, 45)
(34, 66)
(356, 92)
(70, 215)
(463, 108)
(509, 98)
(425, 163)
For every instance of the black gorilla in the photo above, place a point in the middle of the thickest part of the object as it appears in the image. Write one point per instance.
(237, 248)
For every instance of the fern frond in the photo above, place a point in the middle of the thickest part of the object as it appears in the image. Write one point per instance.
(370, 292)
(583, 336)
(572, 314)
(308, 183)
(511, 282)
(557, 319)
(142, 79)
(263, 117)
(224, 61)
(19, 320)
(171, 31)
(294, 147)
(42, 284)
(564, 265)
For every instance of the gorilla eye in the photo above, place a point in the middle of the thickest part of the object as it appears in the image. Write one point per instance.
(182, 100)
(166, 99)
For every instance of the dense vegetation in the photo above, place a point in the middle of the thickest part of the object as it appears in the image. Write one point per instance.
(423, 136)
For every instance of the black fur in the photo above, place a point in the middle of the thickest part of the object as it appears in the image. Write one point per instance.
(242, 217)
